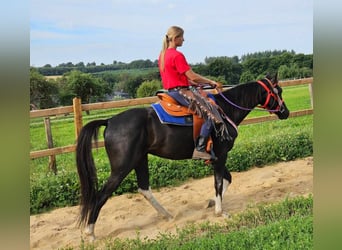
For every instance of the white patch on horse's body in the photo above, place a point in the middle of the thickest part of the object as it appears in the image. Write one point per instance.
(152, 200)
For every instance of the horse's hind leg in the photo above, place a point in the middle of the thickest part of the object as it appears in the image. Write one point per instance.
(101, 197)
(144, 188)
(152, 200)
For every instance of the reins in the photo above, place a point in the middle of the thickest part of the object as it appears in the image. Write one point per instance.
(262, 107)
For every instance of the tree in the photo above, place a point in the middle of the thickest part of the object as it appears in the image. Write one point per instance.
(148, 88)
(43, 93)
(132, 84)
(82, 85)
(224, 66)
(91, 64)
(247, 76)
(289, 72)
(80, 65)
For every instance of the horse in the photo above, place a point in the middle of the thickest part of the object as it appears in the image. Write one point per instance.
(133, 134)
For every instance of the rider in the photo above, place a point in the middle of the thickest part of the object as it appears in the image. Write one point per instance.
(176, 74)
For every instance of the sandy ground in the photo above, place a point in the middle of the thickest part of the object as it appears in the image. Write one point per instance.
(125, 215)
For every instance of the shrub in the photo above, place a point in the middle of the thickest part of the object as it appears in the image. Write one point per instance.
(270, 149)
(49, 191)
(148, 88)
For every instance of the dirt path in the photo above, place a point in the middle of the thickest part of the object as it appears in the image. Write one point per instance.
(123, 216)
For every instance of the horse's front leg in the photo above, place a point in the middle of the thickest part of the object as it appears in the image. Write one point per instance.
(219, 196)
(222, 180)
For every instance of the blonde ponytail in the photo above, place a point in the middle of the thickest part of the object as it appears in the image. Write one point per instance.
(172, 32)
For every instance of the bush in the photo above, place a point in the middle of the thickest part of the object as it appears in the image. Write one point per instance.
(49, 191)
(270, 149)
(148, 88)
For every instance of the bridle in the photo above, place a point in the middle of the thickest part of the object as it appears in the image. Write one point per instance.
(263, 107)
(270, 94)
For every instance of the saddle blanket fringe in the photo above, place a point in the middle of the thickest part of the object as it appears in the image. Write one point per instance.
(203, 107)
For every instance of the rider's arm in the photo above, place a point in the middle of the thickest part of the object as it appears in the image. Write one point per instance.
(198, 79)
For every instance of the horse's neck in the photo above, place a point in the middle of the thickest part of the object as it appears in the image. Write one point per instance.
(244, 96)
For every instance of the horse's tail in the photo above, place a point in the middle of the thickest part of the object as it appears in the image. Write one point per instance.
(86, 167)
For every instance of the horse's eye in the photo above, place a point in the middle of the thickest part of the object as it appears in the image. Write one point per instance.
(275, 91)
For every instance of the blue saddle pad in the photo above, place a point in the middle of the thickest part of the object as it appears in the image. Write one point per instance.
(166, 118)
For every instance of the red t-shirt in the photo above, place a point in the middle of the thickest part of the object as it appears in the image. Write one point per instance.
(175, 66)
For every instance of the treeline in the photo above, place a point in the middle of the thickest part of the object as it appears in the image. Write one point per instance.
(140, 78)
(48, 70)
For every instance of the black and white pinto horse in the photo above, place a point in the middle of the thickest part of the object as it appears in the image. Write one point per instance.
(133, 134)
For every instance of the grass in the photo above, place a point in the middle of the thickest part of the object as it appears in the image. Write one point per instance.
(296, 98)
(284, 225)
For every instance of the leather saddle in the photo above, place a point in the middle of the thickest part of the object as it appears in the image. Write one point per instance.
(173, 108)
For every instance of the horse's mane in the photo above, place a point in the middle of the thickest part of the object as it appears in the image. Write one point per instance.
(244, 93)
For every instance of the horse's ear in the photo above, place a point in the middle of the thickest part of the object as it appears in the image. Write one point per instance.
(268, 76)
(275, 79)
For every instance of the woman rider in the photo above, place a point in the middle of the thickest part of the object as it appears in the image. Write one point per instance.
(177, 74)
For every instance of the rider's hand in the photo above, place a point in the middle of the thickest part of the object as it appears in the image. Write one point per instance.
(214, 84)
(217, 86)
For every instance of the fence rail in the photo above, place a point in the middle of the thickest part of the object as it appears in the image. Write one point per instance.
(77, 109)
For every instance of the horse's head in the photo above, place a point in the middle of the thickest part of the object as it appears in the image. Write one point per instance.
(273, 97)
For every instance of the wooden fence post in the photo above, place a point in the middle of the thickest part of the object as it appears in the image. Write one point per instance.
(52, 158)
(77, 115)
(311, 94)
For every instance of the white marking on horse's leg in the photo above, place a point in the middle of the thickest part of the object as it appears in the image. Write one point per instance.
(226, 184)
(150, 198)
(212, 202)
(218, 205)
(89, 230)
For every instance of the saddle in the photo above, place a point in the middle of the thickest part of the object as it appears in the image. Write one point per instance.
(174, 109)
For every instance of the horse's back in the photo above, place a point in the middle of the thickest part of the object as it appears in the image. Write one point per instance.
(127, 124)
(140, 130)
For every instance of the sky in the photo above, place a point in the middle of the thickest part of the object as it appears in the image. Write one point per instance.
(103, 31)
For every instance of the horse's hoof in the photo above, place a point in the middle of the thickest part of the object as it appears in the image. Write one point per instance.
(226, 215)
(89, 231)
(92, 238)
(211, 203)
(168, 217)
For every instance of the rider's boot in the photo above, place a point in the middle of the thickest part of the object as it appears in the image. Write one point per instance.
(200, 149)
